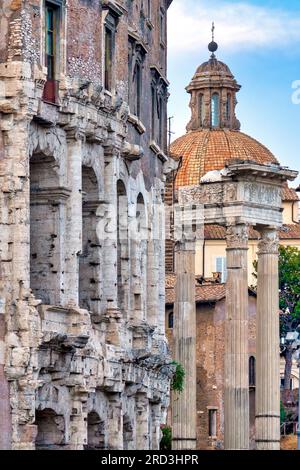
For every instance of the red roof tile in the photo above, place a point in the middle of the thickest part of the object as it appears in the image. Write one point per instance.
(206, 150)
(216, 232)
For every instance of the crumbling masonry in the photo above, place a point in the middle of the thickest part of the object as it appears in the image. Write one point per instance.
(83, 356)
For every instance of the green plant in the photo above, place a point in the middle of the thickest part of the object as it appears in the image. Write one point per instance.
(166, 441)
(178, 378)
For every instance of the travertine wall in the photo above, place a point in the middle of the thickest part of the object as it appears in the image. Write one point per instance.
(83, 355)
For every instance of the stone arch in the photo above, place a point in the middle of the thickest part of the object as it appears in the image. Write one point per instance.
(90, 282)
(47, 215)
(122, 245)
(49, 142)
(92, 157)
(50, 429)
(96, 435)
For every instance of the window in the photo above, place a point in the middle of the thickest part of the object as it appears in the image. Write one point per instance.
(171, 320)
(138, 89)
(108, 58)
(215, 110)
(252, 372)
(149, 9)
(201, 109)
(221, 267)
(228, 107)
(153, 111)
(212, 423)
(52, 23)
(161, 122)
(50, 40)
(162, 26)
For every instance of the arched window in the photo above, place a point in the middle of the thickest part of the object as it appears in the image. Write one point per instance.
(252, 371)
(201, 109)
(215, 110)
(171, 320)
(228, 107)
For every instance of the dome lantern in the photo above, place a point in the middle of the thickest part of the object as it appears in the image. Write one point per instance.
(213, 94)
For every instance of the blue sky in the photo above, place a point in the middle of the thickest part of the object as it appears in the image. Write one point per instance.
(260, 41)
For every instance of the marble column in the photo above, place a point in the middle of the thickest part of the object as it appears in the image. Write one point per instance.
(236, 398)
(267, 344)
(184, 410)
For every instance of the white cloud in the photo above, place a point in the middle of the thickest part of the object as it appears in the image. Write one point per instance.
(239, 26)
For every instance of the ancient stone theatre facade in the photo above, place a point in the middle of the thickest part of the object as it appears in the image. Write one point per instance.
(83, 355)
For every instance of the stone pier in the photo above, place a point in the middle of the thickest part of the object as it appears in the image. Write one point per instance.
(236, 405)
(268, 360)
(184, 404)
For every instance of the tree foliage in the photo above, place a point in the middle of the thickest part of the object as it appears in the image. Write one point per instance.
(166, 441)
(289, 288)
(178, 378)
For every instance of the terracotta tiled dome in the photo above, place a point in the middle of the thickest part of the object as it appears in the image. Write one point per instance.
(205, 150)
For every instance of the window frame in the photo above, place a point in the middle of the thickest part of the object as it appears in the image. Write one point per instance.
(110, 28)
(215, 113)
(224, 268)
(56, 7)
(162, 26)
(212, 423)
(171, 320)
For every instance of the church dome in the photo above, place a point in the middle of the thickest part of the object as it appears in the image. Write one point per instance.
(214, 66)
(213, 136)
(206, 150)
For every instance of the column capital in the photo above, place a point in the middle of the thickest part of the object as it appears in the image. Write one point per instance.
(237, 236)
(269, 241)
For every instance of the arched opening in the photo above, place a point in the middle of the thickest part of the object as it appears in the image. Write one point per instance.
(201, 109)
(122, 245)
(252, 372)
(215, 110)
(96, 432)
(140, 297)
(90, 259)
(228, 108)
(51, 430)
(128, 434)
(47, 214)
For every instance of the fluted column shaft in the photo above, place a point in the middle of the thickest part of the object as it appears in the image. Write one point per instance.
(236, 399)
(184, 409)
(267, 338)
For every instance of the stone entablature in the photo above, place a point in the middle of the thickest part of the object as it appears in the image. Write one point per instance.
(246, 192)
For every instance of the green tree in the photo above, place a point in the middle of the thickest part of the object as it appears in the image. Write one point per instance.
(289, 300)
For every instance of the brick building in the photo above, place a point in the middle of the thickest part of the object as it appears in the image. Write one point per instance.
(83, 96)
